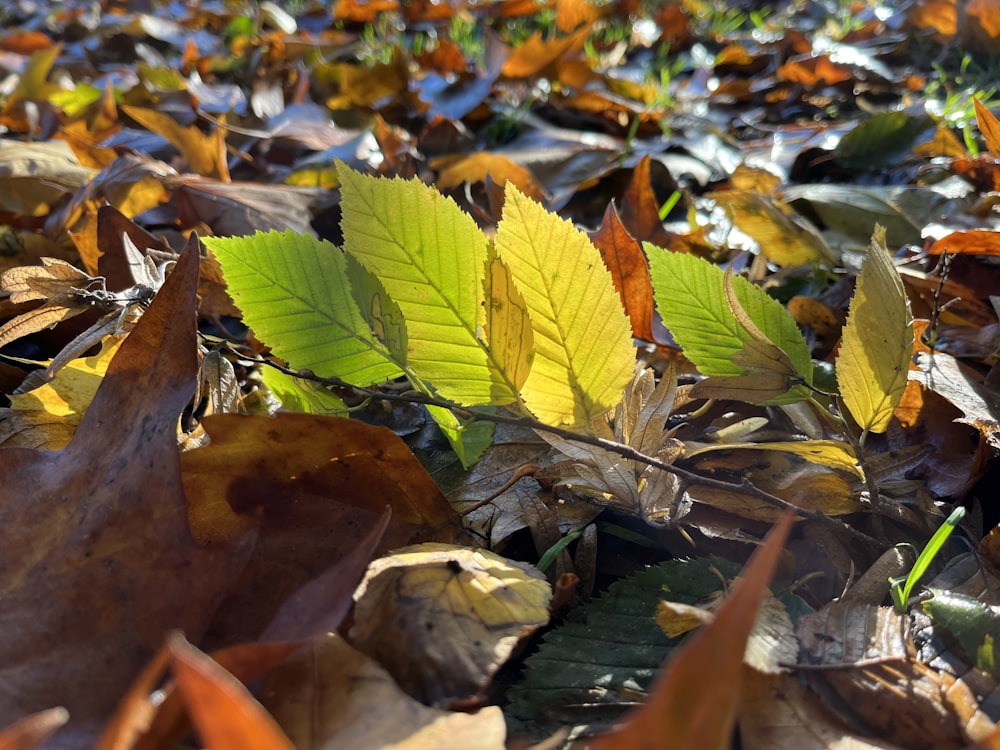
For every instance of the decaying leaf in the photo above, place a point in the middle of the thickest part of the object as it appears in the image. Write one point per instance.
(99, 531)
(443, 619)
(332, 695)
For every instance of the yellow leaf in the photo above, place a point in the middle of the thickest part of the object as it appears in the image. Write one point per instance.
(73, 388)
(507, 327)
(583, 341)
(784, 237)
(877, 341)
(830, 453)
(204, 153)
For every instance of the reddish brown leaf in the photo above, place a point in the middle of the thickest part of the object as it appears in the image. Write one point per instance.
(315, 486)
(222, 710)
(99, 561)
(973, 242)
(32, 731)
(693, 700)
(989, 126)
(535, 55)
(623, 256)
(640, 208)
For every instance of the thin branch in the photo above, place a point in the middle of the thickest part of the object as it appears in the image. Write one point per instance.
(688, 478)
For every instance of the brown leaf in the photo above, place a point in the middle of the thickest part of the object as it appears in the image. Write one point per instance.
(534, 56)
(314, 486)
(98, 559)
(205, 154)
(31, 732)
(328, 695)
(694, 699)
(622, 254)
(989, 126)
(442, 619)
(224, 713)
(640, 211)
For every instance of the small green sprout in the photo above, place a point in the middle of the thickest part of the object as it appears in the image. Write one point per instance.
(901, 588)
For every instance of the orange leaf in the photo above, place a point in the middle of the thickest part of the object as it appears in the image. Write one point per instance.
(32, 731)
(693, 701)
(224, 713)
(623, 256)
(989, 126)
(973, 242)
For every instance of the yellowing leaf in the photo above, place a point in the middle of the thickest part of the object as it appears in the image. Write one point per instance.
(508, 326)
(583, 341)
(832, 453)
(73, 388)
(877, 341)
(204, 153)
(784, 237)
(442, 619)
(430, 258)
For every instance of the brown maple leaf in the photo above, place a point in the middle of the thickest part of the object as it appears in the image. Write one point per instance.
(97, 560)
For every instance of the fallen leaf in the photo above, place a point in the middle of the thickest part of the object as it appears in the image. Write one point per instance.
(328, 695)
(694, 699)
(222, 710)
(442, 619)
(99, 532)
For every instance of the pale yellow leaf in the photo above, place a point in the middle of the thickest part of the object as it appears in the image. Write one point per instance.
(584, 356)
(877, 341)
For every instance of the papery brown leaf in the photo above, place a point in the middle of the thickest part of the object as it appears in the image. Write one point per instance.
(222, 710)
(989, 126)
(31, 732)
(694, 699)
(814, 70)
(442, 619)
(314, 486)
(330, 695)
(321, 604)
(99, 533)
(622, 254)
(242, 208)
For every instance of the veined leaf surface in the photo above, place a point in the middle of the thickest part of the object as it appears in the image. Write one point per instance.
(430, 257)
(295, 295)
(691, 296)
(583, 341)
(877, 341)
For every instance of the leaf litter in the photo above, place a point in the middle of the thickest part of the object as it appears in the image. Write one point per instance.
(162, 489)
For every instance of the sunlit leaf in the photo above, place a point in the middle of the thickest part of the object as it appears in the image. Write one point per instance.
(691, 297)
(783, 236)
(295, 294)
(583, 342)
(430, 257)
(877, 341)
(830, 453)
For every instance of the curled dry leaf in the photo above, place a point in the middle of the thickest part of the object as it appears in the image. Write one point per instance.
(329, 695)
(442, 619)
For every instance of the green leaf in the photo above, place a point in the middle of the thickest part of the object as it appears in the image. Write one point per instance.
(877, 341)
(296, 394)
(430, 257)
(972, 624)
(584, 356)
(756, 360)
(468, 440)
(295, 295)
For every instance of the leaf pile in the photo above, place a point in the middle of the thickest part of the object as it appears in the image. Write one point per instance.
(345, 346)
